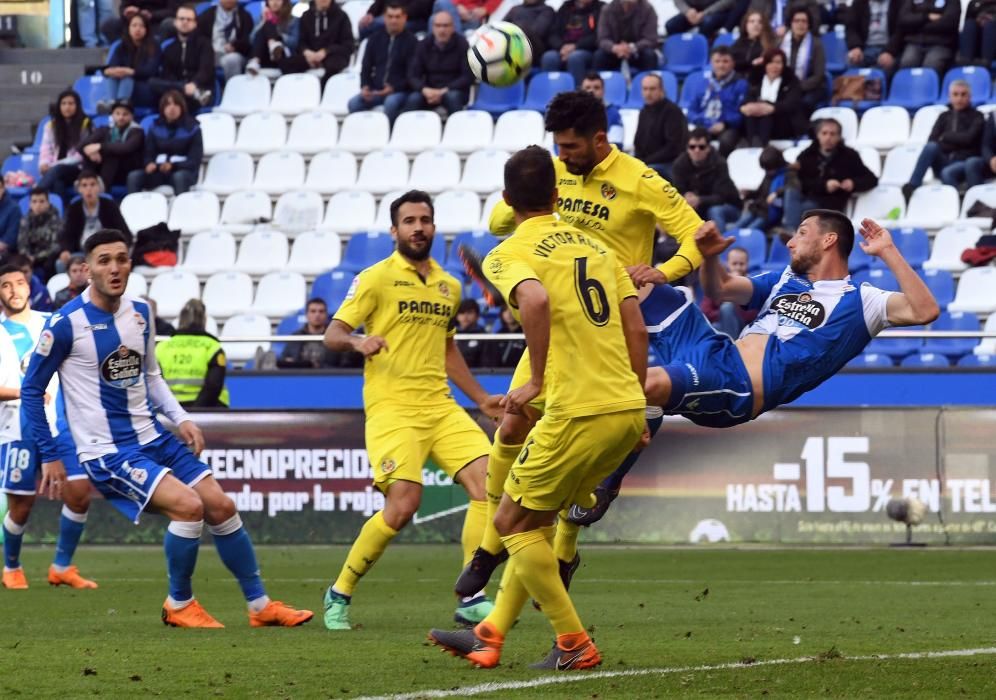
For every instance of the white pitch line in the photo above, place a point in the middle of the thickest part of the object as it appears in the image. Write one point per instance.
(497, 687)
(638, 581)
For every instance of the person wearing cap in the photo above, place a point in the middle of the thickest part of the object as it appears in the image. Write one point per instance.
(116, 149)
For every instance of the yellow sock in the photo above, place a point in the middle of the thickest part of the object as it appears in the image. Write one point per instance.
(536, 566)
(366, 550)
(565, 546)
(499, 463)
(474, 524)
(512, 595)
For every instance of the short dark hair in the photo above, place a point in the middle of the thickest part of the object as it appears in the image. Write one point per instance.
(411, 197)
(594, 75)
(698, 133)
(87, 174)
(469, 305)
(833, 221)
(530, 180)
(103, 237)
(739, 249)
(186, 6)
(76, 259)
(12, 267)
(576, 110)
(316, 300)
(396, 5)
(35, 191)
(830, 120)
(123, 104)
(721, 51)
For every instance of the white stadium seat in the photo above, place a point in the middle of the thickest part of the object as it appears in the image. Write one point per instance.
(279, 172)
(194, 211)
(899, 164)
(137, 285)
(209, 252)
(923, 123)
(280, 293)
(171, 290)
(262, 251)
(417, 131)
(949, 243)
(435, 171)
(517, 129)
(979, 193)
(883, 127)
(846, 116)
(457, 210)
(988, 345)
(383, 220)
(468, 131)
(489, 205)
(484, 171)
(331, 171)
(383, 171)
(143, 209)
(871, 159)
(56, 283)
(313, 132)
(315, 252)
(217, 132)
(228, 172)
(932, 207)
(227, 293)
(244, 210)
(299, 210)
(630, 119)
(245, 326)
(338, 90)
(351, 211)
(262, 132)
(976, 291)
(363, 132)
(296, 93)
(879, 203)
(355, 9)
(245, 94)
(745, 169)
(791, 154)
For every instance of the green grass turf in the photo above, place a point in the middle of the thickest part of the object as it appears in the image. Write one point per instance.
(649, 608)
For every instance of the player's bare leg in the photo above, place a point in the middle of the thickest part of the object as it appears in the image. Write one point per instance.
(76, 504)
(18, 509)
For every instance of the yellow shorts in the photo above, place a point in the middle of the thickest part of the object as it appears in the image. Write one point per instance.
(398, 446)
(521, 375)
(564, 459)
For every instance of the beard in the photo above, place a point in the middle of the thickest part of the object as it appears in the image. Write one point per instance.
(10, 309)
(414, 253)
(803, 264)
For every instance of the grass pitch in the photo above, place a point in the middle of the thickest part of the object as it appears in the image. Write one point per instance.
(670, 622)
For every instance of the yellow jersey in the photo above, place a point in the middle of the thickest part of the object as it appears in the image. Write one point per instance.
(620, 202)
(415, 316)
(588, 369)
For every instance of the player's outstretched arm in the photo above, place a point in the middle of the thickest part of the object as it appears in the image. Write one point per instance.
(914, 305)
(635, 331)
(717, 283)
(534, 309)
(339, 337)
(458, 371)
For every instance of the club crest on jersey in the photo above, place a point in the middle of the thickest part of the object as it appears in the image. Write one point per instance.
(801, 308)
(388, 466)
(444, 289)
(351, 292)
(495, 266)
(45, 342)
(122, 368)
(608, 191)
(139, 320)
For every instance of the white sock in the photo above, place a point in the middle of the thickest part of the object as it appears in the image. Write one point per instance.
(258, 604)
(178, 604)
(12, 527)
(59, 569)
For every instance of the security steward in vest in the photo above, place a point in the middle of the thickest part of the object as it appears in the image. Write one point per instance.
(193, 361)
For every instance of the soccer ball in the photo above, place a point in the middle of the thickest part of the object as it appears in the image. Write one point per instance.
(500, 54)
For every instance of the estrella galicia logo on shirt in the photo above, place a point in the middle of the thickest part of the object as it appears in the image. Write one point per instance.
(122, 368)
(801, 308)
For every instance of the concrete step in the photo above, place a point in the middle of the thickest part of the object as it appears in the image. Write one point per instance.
(39, 76)
(31, 57)
(26, 110)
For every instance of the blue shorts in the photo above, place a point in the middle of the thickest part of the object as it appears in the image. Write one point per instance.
(128, 478)
(20, 464)
(709, 383)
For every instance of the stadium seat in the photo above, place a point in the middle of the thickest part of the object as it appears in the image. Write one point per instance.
(416, 131)
(209, 252)
(382, 222)
(383, 171)
(137, 286)
(925, 359)
(941, 285)
(913, 243)
(988, 345)
(984, 360)
(912, 88)
(280, 293)
(363, 132)
(631, 120)
(489, 205)
(227, 293)
(245, 326)
(868, 74)
(228, 172)
(684, 53)
(468, 131)
(481, 241)
(877, 277)
(835, 49)
(245, 94)
(365, 249)
(745, 170)
(53, 199)
(884, 203)
(435, 171)
(262, 251)
(517, 129)
(976, 291)
(354, 9)
(979, 193)
(298, 210)
(194, 211)
(171, 290)
(279, 172)
(245, 209)
(883, 127)
(261, 132)
(615, 87)
(859, 260)
(56, 283)
(847, 117)
(690, 87)
(296, 93)
(331, 171)
(899, 164)
(949, 243)
(483, 171)
(289, 325)
(896, 348)
(870, 360)
(496, 101)
(754, 242)
(635, 99)
(978, 79)
(332, 287)
(871, 159)
(315, 252)
(438, 249)
(923, 123)
(92, 89)
(144, 209)
(543, 87)
(778, 256)
(313, 132)
(338, 91)
(457, 210)
(217, 132)
(932, 207)
(350, 211)
(953, 347)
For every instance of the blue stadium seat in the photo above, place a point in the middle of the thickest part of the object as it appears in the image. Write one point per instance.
(92, 89)
(684, 53)
(615, 87)
(941, 285)
(859, 261)
(146, 122)
(35, 146)
(365, 249)
(925, 359)
(913, 88)
(544, 86)
(438, 251)
(953, 347)
(913, 243)
(724, 39)
(332, 287)
(111, 49)
(778, 256)
(977, 361)
(753, 241)
(870, 360)
(867, 74)
(896, 347)
(287, 326)
(976, 76)
(497, 101)
(690, 87)
(54, 199)
(635, 100)
(481, 241)
(255, 10)
(26, 162)
(877, 277)
(203, 7)
(835, 49)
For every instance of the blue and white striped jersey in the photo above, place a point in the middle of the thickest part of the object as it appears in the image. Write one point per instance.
(25, 337)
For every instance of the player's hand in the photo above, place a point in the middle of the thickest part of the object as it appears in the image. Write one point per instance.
(192, 436)
(710, 241)
(53, 479)
(47, 398)
(643, 275)
(371, 345)
(877, 239)
(491, 406)
(515, 400)
(644, 440)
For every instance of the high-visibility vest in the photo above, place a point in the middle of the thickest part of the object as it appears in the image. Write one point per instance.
(184, 360)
